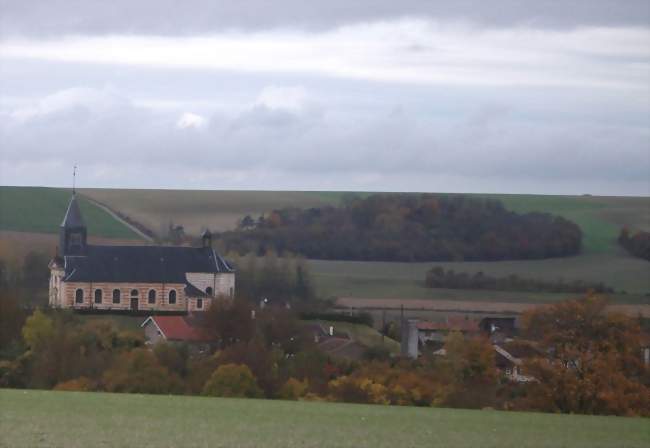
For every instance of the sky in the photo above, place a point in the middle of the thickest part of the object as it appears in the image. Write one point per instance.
(507, 96)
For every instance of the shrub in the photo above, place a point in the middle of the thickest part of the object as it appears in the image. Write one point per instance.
(81, 384)
(232, 380)
(293, 389)
(139, 371)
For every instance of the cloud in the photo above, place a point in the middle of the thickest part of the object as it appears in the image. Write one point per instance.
(452, 54)
(168, 17)
(121, 144)
(189, 120)
(292, 98)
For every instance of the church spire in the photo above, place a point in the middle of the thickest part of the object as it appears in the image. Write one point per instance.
(73, 233)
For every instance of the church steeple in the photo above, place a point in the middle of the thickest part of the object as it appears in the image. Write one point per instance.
(72, 234)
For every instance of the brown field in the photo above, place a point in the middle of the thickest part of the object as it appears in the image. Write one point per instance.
(467, 306)
(197, 209)
(15, 245)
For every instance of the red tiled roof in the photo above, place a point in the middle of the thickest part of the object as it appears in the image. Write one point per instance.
(451, 323)
(177, 328)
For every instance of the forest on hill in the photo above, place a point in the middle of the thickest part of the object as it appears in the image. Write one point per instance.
(391, 227)
(636, 243)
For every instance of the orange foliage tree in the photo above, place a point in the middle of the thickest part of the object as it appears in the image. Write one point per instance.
(593, 362)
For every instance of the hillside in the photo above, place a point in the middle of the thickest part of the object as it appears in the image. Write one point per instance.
(197, 209)
(600, 219)
(41, 210)
(37, 418)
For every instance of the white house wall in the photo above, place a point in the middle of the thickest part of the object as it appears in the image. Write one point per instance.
(221, 284)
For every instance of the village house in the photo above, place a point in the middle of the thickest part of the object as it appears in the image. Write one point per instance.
(134, 278)
(176, 330)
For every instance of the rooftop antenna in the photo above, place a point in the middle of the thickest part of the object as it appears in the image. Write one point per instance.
(74, 178)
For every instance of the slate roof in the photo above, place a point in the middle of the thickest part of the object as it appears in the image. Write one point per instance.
(178, 328)
(144, 264)
(73, 216)
(193, 291)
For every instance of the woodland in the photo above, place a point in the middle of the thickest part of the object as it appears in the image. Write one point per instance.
(392, 227)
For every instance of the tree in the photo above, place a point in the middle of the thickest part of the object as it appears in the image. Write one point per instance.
(593, 363)
(38, 330)
(232, 380)
(35, 270)
(139, 371)
(473, 373)
(12, 318)
(229, 321)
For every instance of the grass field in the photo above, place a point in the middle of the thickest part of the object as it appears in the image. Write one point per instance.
(388, 280)
(198, 209)
(74, 419)
(600, 218)
(41, 210)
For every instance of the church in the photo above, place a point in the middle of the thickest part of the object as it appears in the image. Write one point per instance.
(134, 278)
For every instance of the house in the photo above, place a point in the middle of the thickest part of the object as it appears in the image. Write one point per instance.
(499, 328)
(134, 278)
(335, 343)
(437, 331)
(509, 365)
(417, 333)
(175, 329)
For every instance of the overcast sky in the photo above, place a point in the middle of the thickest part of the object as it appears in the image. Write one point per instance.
(471, 96)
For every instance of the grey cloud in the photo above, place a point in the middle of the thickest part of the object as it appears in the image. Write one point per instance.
(102, 130)
(171, 17)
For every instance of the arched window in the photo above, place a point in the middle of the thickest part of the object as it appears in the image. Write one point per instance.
(199, 303)
(172, 297)
(98, 296)
(116, 296)
(79, 296)
(208, 291)
(134, 293)
(152, 296)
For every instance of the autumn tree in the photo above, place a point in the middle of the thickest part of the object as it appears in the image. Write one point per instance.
(593, 361)
(229, 321)
(473, 375)
(232, 380)
(139, 371)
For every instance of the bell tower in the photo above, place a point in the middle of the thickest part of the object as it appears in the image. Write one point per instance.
(73, 233)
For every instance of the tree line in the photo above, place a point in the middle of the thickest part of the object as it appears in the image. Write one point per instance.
(588, 361)
(399, 227)
(438, 277)
(636, 243)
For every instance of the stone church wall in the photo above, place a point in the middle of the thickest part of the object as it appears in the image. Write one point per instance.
(88, 302)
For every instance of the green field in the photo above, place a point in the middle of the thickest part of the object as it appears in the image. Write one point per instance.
(41, 210)
(406, 280)
(600, 218)
(30, 418)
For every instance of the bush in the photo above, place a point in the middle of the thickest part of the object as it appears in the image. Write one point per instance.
(81, 384)
(293, 389)
(139, 371)
(232, 380)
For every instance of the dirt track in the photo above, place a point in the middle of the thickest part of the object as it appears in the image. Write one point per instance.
(467, 306)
